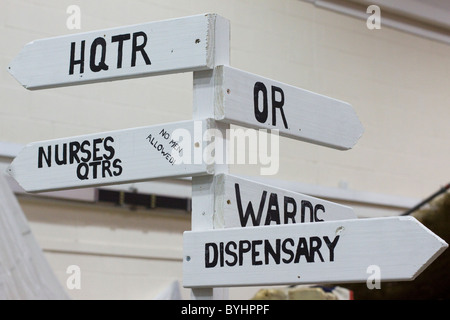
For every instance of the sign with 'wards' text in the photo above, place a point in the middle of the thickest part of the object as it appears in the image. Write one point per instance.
(242, 202)
(169, 46)
(120, 156)
(327, 252)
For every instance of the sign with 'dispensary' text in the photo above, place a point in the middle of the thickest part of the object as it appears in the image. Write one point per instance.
(327, 252)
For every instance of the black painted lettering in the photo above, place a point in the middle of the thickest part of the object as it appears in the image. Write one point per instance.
(86, 151)
(94, 165)
(302, 250)
(101, 65)
(64, 155)
(47, 157)
(106, 165)
(244, 247)
(289, 214)
(314, 247)
(288, 251)
(306, 204)
(261, 116)
(317, 208)
(258, 252)
(270, 251)
(96, 149)
(120, 39)
(140, 48)
(221, 257)
(74, 62)
(83, 171)
(273, 210)
(249, 211)
(255, 252)
(108, 148)
(211, 258)
(116, 165)
(331, 245)
(81, 154)
(229, 252)
(74, 147)
(278, 104)
(165, 134)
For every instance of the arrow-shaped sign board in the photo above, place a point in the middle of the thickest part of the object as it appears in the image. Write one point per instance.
(177, 45)
(250, 100)
(242, 202)
(122, 156)
(327, 252)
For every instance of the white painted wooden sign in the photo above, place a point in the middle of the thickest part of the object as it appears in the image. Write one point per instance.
(177, 45)
(138, 154)
(265, 235)
(327, 252)
(242, 202)
(249, 100)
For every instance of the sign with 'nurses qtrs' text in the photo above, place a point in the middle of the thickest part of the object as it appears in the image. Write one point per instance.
(112, 157)
(169, 46)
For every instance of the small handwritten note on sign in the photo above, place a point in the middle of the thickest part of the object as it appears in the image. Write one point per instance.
(252, 101)
(327, 252)
(169, 46)
(113, 157)
(242, 202)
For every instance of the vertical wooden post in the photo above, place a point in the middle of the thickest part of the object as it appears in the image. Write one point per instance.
(203, 108)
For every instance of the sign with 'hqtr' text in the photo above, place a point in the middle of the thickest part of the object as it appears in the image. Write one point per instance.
(168, 46)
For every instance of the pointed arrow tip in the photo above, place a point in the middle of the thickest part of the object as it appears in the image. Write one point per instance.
(9, 170)
(15, 74)
(435, 243)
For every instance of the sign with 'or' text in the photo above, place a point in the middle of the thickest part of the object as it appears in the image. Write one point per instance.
(252, 101)
(168, 46)
(241, 202)
(327, 252)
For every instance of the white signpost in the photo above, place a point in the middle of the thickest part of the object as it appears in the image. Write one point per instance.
(328, 252)
(176, 45)
(113, 157)
(249, 100)
(243, 232)
(241, 202)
